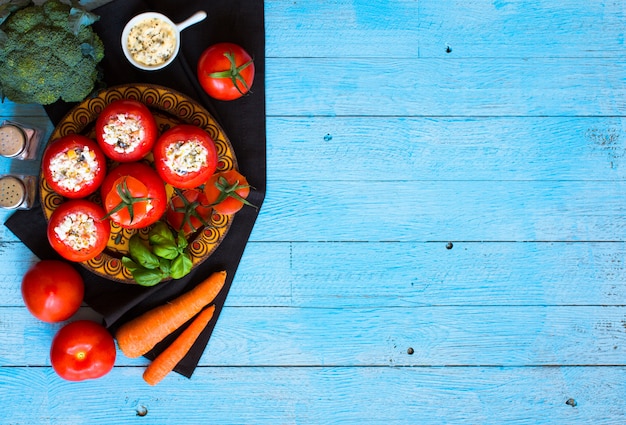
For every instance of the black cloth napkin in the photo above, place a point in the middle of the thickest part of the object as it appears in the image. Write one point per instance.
(243, 120)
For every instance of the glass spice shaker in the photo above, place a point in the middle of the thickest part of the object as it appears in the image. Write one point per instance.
(18, 141)
(17, 192)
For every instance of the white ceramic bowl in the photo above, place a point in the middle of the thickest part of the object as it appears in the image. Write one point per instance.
(176, 29)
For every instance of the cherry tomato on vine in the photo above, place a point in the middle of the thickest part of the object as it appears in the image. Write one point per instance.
(185, 156)
(74, 166)
(188, 211)
(52, 290)
(227, 191)
(133, 195)
(126, 130)
(78, 231)
(225, 71)
(82, 350)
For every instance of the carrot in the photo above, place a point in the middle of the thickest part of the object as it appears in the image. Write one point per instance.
(169, 358)
(138, 336)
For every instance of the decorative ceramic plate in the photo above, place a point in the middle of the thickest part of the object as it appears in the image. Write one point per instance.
(169, 109)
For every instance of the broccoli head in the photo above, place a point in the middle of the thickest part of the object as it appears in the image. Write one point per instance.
(48, 52)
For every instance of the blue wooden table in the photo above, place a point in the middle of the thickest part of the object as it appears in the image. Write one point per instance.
(442, 240)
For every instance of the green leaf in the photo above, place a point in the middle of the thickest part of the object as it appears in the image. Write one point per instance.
(146, 277)
(166, 266)
(181, 242)
(181, 266)
(130, 264)
(160, 234)
(141, 253)
(167, 251)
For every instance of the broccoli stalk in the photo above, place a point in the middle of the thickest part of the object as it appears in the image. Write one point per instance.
(48, 52)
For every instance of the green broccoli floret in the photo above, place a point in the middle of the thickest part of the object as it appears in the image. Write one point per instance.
(48, 52)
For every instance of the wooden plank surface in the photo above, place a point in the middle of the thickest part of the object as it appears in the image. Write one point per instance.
(442, 239)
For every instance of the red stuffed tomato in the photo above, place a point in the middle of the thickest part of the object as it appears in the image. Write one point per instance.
(52, 290)
(185, 156)
(78, 231)
(134, 195)
(74, 166)
(226, 71)
(227, 191)
(82, 350)
(189, 211)
(126, 130)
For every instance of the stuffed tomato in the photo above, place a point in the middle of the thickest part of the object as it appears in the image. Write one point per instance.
(126, 130)
(78, 231)
(185, 156)
(74, 166)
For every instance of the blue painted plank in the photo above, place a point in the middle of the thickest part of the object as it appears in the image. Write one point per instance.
(321, 395)
(440, 148)
(445, 28)
(445, 87)
(397, 210)
(437, 336)
(357, 275)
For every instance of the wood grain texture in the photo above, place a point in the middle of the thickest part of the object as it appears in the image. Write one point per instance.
(442, 240)
(445, 87)
(379, 395)
(436, 336)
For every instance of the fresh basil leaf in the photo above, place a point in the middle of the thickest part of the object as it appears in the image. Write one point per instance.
(130, 264)
(166, 251)
(160, 234)
(181, 241)
(141, 253)
(147, 277)
(181, 266)
(165, 266)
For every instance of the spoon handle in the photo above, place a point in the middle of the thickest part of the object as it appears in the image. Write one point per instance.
(193, 19)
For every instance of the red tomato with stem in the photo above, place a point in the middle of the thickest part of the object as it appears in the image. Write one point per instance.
(78, 230)
(52, 290)
(134, 195)
(74, 166)
(227, 191)
(126, 130)
(185, 156)
(188, 211)
(225, 71)
(82, 350)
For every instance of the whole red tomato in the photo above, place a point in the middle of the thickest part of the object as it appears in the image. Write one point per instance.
(188, 211)
(185, 156)
(82, 350)
(227, 191)
(74, 166)
(225, 71)
(134, 195)
(52, 290)
(126, 130)
(78, 231)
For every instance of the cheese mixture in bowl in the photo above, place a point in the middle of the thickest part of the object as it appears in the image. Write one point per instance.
(152, 41)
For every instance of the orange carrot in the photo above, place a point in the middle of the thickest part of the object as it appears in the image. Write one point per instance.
(140, 335)
(169, 358)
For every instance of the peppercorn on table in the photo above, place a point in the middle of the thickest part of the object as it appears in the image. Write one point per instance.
(442, 239)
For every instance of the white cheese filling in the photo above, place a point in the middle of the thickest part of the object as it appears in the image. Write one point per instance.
(74, 168)
(77, 230)
(152, 41)
(124, 132)
(186, 157)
